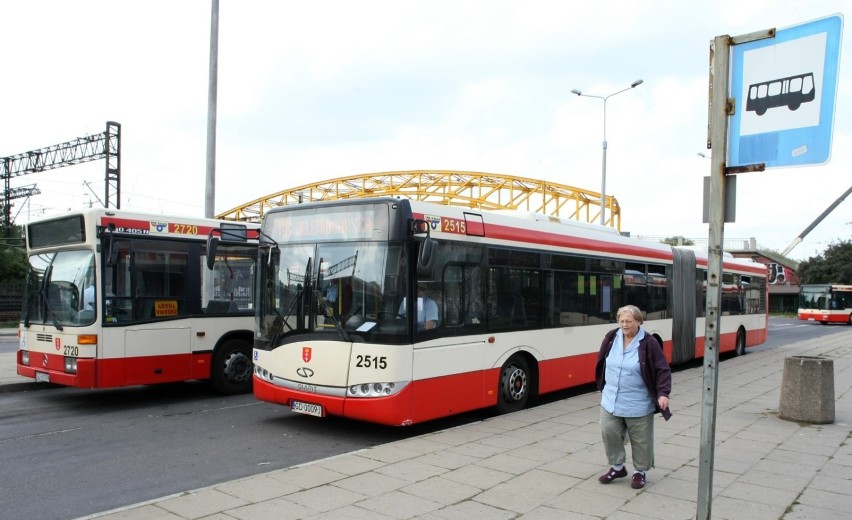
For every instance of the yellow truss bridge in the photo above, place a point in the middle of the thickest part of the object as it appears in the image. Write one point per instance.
(468, 189)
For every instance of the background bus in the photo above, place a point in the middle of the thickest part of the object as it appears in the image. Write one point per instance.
(115, 298)
(524, 302)
(826, 303)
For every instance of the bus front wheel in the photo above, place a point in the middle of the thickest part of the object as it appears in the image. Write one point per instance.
(741, 343)
(232, 368)
(515, 384)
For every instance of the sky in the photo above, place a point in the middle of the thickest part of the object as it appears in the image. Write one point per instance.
(310, 91)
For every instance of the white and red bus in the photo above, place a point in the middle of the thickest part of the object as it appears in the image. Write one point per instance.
(523, 304)
(115, 298)
(826, 303)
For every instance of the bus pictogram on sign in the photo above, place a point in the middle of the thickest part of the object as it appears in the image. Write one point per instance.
(791, 91)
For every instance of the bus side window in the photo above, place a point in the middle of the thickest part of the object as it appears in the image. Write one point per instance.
(160, 278)
(570, 299)
(457, 289)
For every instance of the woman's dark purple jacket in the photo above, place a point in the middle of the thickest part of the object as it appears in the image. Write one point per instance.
(655, 369)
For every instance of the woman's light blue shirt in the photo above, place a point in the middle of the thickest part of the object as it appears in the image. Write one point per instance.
(625, 393)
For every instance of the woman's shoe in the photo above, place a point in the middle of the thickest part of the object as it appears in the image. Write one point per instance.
(612, 474)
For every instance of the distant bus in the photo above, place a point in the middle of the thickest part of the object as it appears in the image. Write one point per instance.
(791, 91)
(519, 305)
(826, 303)
(115, 298)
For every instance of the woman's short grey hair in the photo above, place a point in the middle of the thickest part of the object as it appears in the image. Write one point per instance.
(632, 309)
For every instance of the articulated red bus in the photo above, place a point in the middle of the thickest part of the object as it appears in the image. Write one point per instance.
(115, 298)
(522, 301)
(826, 303)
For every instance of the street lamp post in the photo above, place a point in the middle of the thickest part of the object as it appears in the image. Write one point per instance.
(603, 160)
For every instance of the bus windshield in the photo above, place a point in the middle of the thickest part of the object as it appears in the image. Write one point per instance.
(61, 288)
(344, 290)
(815, 297)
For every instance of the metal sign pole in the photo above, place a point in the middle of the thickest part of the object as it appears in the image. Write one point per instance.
(720, 107)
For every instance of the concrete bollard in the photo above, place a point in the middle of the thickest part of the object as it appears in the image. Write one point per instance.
(807, 390)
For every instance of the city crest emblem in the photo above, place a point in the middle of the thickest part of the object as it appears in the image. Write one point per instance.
(306, 354)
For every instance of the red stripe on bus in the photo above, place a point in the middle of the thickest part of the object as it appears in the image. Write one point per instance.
(145, 225)
(544, 238)
(569, 241)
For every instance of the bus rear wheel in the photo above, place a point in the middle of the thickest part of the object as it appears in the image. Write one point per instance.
(232, 367)
(515, 385)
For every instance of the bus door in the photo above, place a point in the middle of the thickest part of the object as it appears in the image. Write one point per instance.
(145, 295)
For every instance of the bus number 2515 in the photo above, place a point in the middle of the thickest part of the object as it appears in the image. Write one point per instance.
(368, 361)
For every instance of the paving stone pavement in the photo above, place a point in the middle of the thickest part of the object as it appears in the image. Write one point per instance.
(543, 462)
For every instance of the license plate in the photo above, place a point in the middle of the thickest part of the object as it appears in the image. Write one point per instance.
(306, 408)
(42, 377)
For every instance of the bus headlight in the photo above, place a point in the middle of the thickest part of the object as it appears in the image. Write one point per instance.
(262, 373)
(376, 389)
(25, 358)
(71, 365)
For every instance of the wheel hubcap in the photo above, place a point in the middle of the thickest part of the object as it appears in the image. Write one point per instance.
(237, 367)
(515, 383)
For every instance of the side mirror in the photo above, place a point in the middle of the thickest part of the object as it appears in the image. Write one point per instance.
(212, 246)
(426, 257)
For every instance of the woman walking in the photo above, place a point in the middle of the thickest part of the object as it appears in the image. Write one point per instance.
(635, 381)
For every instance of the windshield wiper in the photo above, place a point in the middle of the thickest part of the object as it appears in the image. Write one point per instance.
(30, 305)
(52, 314)
(41, 294)
(328, 311)
(44, 290)
(280, 320)
(42, 297)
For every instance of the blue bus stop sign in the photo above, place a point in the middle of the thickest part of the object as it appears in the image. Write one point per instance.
(785, 89)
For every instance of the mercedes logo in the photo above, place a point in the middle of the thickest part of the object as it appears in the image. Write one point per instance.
(305, 372)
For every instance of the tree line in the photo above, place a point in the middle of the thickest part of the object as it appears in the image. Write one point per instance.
(13, 256)
(833, 266)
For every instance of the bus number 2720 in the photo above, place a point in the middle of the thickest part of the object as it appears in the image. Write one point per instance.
(368, 361)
